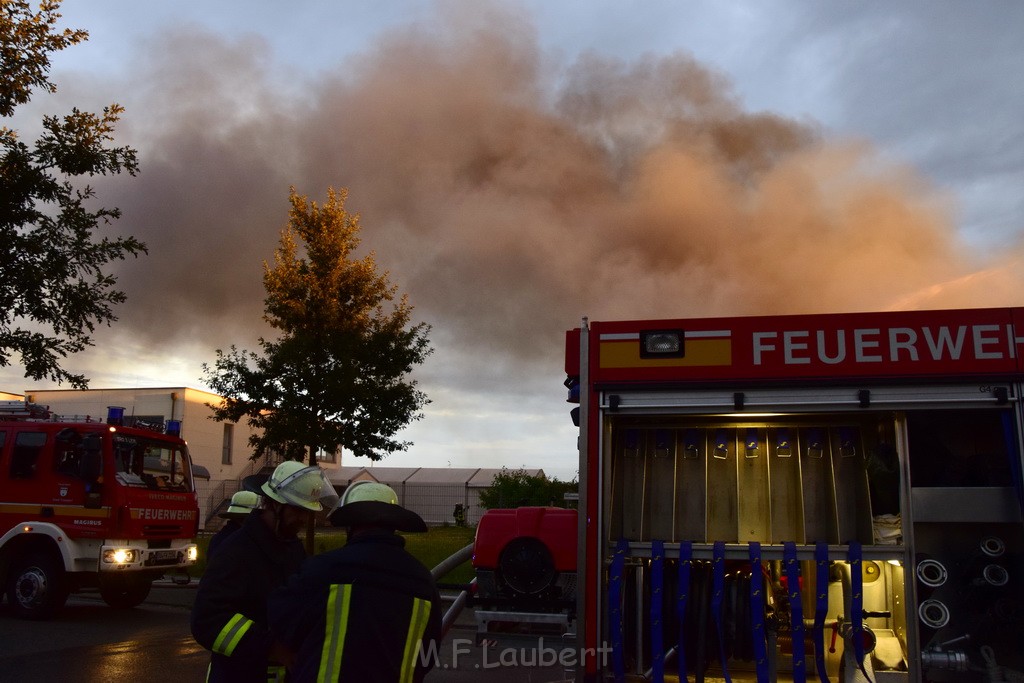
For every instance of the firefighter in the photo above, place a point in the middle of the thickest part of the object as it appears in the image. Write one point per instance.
(230, 610)
(367, 612)
(242, 504)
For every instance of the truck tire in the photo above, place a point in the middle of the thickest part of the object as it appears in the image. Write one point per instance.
(36, 586)
(124, 591)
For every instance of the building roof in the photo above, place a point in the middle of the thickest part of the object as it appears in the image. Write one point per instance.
(442, 475)
(474, 477)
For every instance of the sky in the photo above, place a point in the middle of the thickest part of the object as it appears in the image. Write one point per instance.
(519, 165)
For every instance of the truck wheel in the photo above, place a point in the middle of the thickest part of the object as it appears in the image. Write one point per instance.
(36, 586)
(123, 591)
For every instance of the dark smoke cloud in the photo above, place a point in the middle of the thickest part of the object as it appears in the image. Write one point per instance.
(509, 193)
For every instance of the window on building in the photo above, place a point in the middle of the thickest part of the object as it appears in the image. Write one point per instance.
(25, 455)
(229, 437)
(326, 456)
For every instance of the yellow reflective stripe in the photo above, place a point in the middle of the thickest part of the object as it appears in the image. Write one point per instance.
(417, 625)
(334, 633)
(275, 674)
(231, 634)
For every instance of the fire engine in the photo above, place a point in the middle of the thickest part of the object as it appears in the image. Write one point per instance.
(800, 498)
(90, 504)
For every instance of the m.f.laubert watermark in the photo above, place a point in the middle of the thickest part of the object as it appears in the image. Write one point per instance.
(533, 656)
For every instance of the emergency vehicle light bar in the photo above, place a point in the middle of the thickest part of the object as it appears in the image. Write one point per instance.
(115, 415)
(662, 344)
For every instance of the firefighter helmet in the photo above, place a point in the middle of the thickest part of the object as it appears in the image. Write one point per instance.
(371, 503)
(293, 483)
(369, 490)
(242, 503)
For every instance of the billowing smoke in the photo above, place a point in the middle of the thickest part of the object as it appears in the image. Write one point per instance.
(509, 193)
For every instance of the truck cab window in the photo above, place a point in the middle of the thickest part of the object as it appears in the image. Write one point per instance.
(151, 464)
(25, 454)
(129, 456)
(67, 452)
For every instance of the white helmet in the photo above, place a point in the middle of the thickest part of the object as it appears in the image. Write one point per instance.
(242, 503)
(376, 504)
(293, 483)
(368, 490)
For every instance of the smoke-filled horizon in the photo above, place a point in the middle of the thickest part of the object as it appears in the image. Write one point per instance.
(509, 193)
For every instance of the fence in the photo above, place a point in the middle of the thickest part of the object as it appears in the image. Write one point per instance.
(213, 494)
(435, 503)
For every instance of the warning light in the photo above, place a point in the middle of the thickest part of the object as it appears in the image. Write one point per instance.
(662, 344)
(115, 415)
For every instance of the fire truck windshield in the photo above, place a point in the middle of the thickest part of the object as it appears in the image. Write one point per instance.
(152, 464)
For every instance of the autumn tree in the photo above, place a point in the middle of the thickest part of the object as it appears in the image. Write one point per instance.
(338, 373)
(54, 290)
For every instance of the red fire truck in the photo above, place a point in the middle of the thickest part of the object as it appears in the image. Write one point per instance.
(801, 498)
(88, 504)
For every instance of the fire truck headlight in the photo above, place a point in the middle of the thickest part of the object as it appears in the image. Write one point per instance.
(120, 556)
(193, 553)
(662, 344)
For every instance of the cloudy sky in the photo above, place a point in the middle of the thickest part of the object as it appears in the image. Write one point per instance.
(519, 165)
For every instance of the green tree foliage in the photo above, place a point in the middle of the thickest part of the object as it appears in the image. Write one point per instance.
(518, 488)
(54, 291)
(338, 374)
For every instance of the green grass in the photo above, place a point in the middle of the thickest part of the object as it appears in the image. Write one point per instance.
(430, 548)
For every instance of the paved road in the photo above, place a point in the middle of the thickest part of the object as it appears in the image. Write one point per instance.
(91, 643)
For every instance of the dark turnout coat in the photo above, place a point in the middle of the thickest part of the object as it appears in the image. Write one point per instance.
(375, 604)
(229, 616)
(230, 527)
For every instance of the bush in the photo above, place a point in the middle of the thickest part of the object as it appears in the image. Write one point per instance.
(517, 488)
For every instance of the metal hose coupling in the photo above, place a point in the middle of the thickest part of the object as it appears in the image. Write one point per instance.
(933, 613)
(931, 573)
(992, 575)
(945, 660)
(940, 657)
(992, 546)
